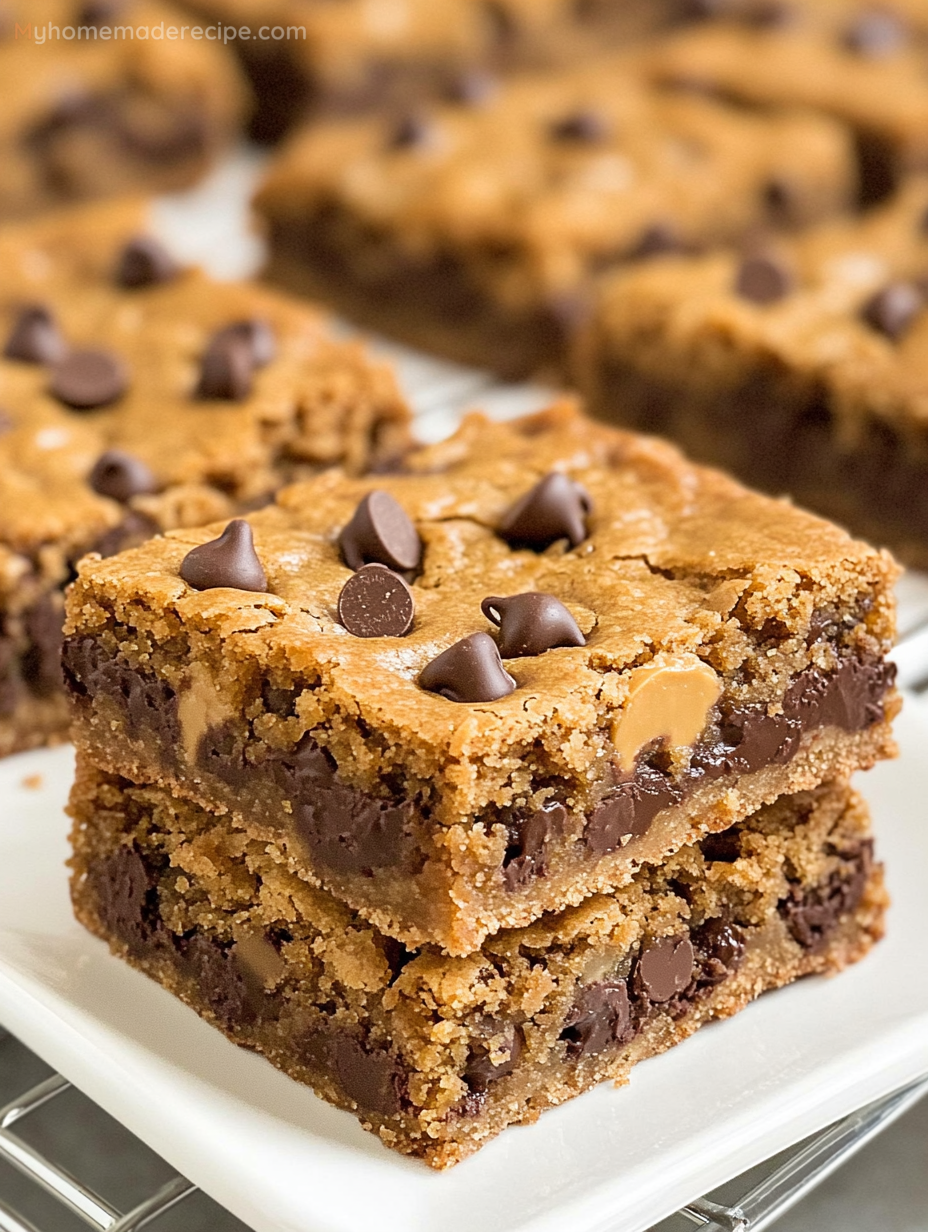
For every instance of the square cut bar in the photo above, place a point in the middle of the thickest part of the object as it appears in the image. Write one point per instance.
(862, 63)
(333, 59)
(478, 231)
(799, 366)
(107, 109)
(435, 1054)
(94, 457)
(734, 651)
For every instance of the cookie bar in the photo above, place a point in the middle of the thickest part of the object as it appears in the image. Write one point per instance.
(861, 62)
(437, 1055)
(799, 366)
(138, 396)
(477, 231)
(91, 108)
(485, 688)
(310, 60)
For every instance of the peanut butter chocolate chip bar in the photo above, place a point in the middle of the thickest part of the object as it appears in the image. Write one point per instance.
(612, 653)
(797, 365)
(864, 63)
(138, 396)
(100, 99)
(478, 231)
(435, 1054)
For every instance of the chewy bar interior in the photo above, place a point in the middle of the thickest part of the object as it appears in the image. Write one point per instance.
(799, 365)
(439, 1054)
(860, 62)
(139, 396)
(345, 60)
(99, 111)
(596, 653)
(477, 231)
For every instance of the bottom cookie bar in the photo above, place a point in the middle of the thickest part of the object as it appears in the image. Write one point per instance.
(439, 1054)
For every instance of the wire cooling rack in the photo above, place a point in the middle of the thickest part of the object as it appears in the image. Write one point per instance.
(36, 1124)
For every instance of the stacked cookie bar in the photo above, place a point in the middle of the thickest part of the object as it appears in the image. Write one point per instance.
(138, 396)
(457, 790)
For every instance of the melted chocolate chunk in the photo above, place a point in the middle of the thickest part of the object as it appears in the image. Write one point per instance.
(221, 981)
(556, 508)
(851, 697)
(481, 1073)
(144, 262)
(125, 887)
(526, 851)
(86, 380)
(381, 532)
(723, 848)
(763, 279)
(373, 1079)
(35, 337)
(148, 704)
(812, 915)
(120, 476)
(628, 810)
(718, 946)
(599, 1018)
(892, 310)
(664, 969)
(229, 561)
(376, 602)
(41, 661)
(469, 671)
(584, 127)
(531, 623)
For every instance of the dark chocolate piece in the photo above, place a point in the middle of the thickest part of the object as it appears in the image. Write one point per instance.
(120, 476)
(628, 810)
(41, 661)
(481, 1072)
(531, 623)
(664, 969)
(35, 338)
(257, 335)
(763, 279)
(719, 948)
(144, 262)
(656, 241)
(473, 88)
(600, 1016)
(226, 369)
(892, 310)
(85, 380)
(581, 126)
(874, 33)
(147, 703)
(409, 131)
(380, 532)
(469, 671)
(230, 560)
(125, 889)
(528, 843)
(812, 915)
(556, 508)
(376, 602)
(373, 1079)
(221, 981)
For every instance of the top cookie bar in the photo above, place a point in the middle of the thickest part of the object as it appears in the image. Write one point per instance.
(97, 101)
(601, 653)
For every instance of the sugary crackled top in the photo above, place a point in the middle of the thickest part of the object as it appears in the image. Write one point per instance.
(864, 62)
(848, 306)
(681, 568)
(555, 168)
(313, 402)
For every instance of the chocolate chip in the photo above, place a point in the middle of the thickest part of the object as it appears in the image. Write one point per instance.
(526, 851)
(531, 623)
(813, 913)
(369, 1077)
(481, 1072)
(35, 338)
(876, 32)
(226, 369)
(584, 127)
(555, 508)
(719, 948)
(120, 476)
(99, 12)
(664, 968)
(657, 240)
(376, 602)
(144, 262)
(256, 333)
(380, 532)
(469, 671)
(410, 131)
(599, 1017)
(230, 561)
(86, 380)
(763, 279)
(629, 809)
(892, 310)
(124, 885)
(473, 88)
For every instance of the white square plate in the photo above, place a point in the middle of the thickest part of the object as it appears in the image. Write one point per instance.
(611, 1161)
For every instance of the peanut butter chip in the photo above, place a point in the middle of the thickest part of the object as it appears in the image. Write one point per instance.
(670, 702)
(260, 958)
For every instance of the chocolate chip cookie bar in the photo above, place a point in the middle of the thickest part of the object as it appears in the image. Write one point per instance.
(100, 98)
(328, 59)
(138, 396)
(435, 1054)
(797, 365)
(861, 62)
(477, 231)
(544, 655)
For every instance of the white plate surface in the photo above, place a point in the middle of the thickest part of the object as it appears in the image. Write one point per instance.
(611, 1161)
